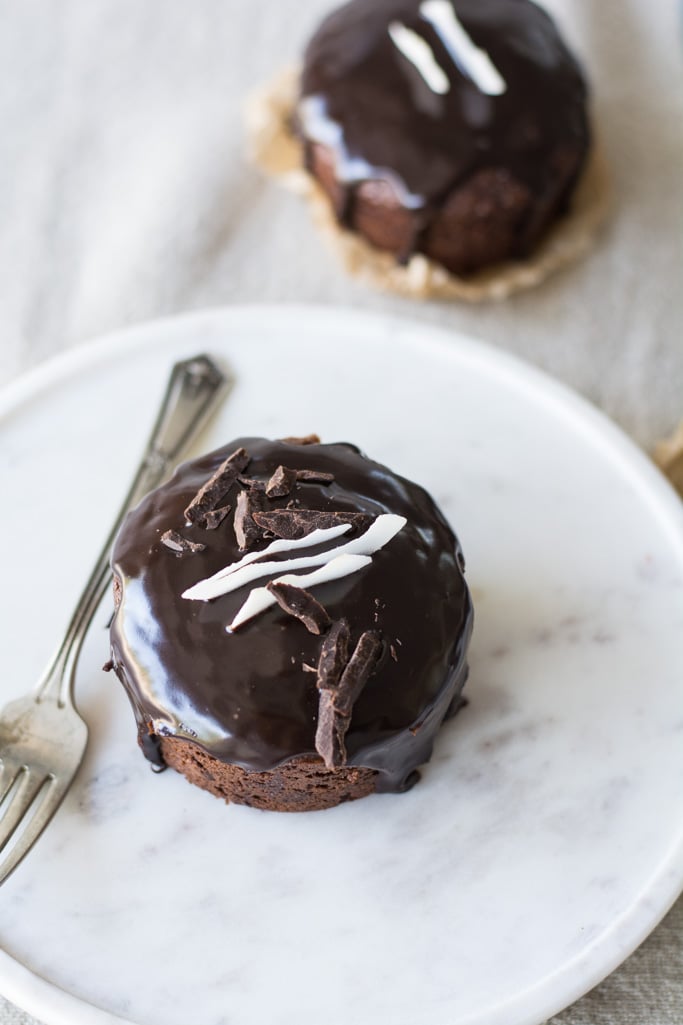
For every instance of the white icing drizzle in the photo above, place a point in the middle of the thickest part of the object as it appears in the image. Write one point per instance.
(209, 588)
(472, 61)
(260, 598)
(420, 54)
(378, 534)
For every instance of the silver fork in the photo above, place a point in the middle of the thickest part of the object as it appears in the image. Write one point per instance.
(42, 736)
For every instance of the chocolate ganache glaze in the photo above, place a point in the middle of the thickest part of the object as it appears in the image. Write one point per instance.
(427, 95)
(249, 696)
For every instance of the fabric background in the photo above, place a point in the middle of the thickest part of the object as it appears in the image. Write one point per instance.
(124, 194)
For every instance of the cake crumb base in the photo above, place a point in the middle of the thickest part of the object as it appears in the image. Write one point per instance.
(301, 784)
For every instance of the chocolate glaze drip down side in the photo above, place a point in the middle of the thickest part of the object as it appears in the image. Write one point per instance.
(366, 102)
(249, 698)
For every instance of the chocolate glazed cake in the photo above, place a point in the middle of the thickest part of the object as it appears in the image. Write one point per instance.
(291, 624)
(453, 128)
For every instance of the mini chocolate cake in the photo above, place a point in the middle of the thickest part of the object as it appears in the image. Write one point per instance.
(291, 624)
(453, 128)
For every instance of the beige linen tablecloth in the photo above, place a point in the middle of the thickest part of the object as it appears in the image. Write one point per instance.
(124, 195)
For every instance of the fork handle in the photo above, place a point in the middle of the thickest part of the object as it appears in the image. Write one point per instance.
(194, 388)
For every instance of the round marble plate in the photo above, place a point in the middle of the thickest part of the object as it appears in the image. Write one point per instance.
(546, 837)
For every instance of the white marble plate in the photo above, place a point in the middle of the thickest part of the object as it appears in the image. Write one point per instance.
(545, 839)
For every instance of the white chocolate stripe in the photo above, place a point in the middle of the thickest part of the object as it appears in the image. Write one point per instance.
(418, 51)
(316, 537)
(378, 534)
(472, 61)
(260, 598)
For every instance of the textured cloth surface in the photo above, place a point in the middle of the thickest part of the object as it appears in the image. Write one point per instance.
(124, 194)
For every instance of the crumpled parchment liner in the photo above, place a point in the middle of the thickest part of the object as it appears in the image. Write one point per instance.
(668, 455)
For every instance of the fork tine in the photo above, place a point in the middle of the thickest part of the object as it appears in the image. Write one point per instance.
(6, 781)
(19, 803)
(49, 802)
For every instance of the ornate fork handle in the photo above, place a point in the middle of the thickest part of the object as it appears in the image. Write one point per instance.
(194, 387)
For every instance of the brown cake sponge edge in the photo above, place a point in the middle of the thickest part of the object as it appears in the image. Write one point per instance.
(300, 784)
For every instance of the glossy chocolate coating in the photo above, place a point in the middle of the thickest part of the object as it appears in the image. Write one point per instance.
(367, 103)
(244, 696)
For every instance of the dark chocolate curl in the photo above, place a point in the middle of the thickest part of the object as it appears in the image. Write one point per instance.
(308, 439)
(334, 654)
(281, 483)
(247, 529)
(314, 476)
(252, 482)
(216, 487)
(301, 604)
(338, 693)
(330, 732)
(214, 517)
(180, 545)
(359, 668)
(292, 524)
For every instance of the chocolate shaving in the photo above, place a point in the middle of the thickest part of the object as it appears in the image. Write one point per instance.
(340, 690)
(284, 479)
(308, 439)
(214, 517)
(292, 524)
(314, 476)
(298, 602)
(252, 482)
(281, 483)
(334, 654)
(330, 732)
(180, 545)
(359, 668)
(216, 487)
(247, 529)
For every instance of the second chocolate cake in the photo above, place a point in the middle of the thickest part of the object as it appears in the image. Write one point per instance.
(291, 623)
(453, 128)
